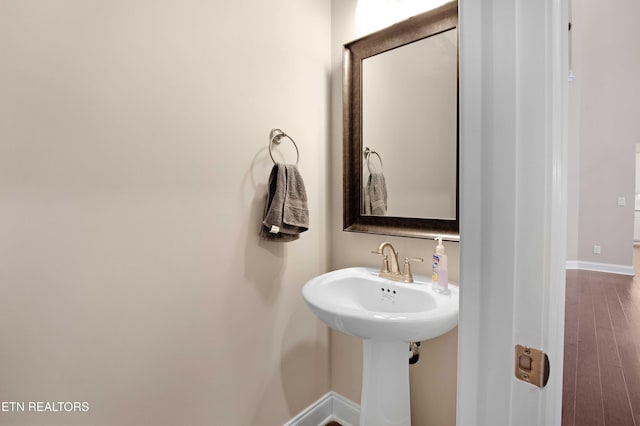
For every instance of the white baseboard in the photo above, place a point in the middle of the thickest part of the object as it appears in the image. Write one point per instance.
(318, 413)
(345, 411)
(330, 407)
(601, 267)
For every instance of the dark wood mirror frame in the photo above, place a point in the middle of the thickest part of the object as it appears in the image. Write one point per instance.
(416, 28)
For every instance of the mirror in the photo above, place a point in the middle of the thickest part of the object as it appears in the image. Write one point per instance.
(400, 93)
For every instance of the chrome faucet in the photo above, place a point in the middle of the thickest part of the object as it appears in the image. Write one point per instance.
(393, 273)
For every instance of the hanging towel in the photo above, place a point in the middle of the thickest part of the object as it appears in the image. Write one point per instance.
(375, 195)
(286, 214)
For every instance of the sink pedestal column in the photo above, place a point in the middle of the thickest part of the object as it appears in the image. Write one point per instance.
(385, 383)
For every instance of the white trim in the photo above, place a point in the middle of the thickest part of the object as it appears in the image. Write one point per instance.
(512, 206)
(572, 264)
(345, 411)
(553, 313)
(601, 267)
(330, 407)
(318, 413)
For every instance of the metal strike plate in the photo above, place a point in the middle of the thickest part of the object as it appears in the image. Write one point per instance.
(532, 366)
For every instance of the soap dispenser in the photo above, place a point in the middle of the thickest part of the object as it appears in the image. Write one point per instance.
(439, 273)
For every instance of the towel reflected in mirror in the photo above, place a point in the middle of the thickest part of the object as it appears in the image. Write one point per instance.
(375, 195)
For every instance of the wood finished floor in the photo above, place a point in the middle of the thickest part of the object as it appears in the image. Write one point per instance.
(602, 349)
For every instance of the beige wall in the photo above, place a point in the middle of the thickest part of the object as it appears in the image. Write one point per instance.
(433, 379)
(606, 62)
(133, 163)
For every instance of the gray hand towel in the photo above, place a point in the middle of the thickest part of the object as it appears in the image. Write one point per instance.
(286, 214)
(375, 195)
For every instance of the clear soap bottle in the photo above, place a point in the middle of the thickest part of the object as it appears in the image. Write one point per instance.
(439, 273)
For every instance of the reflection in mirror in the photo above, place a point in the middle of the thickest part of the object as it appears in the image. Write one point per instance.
(409, 112)
(374, 195)
(400, 93)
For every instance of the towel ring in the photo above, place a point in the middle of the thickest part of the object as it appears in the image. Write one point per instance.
(367, 155)
(276, 136)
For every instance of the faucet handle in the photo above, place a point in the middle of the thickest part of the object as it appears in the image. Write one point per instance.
(384, 267)
(407, 276)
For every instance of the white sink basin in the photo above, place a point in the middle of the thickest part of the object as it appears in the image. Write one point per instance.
(358, 302)
(387, 315)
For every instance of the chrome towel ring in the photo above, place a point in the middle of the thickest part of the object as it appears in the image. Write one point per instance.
(275, 137)
(367, 156)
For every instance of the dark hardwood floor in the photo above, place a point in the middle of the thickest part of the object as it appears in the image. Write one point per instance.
(602, 349)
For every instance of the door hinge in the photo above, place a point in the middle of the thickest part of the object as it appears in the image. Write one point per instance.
(532, 366)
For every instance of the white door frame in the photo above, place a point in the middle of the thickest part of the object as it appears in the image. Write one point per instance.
(513, 144)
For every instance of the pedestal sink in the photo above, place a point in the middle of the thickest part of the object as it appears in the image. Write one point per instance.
(387, 315)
